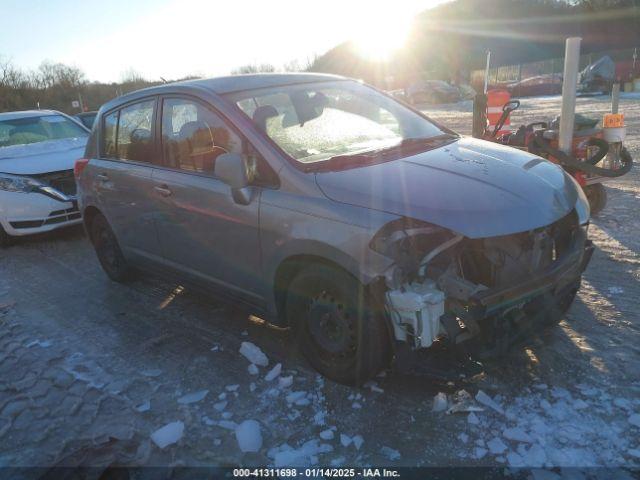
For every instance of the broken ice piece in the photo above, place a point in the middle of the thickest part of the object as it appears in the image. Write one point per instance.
(496, 446)
(326, 434)
(487, 401)
(284, 382)
(222, 396)
(232, 388)
(580, 404)
(168, 435)
(144, 406)
(357, 441)
(252, 369)
(473, 419)
(193, 397)
(345, 440)
(227, 424)
(356, 405)
(463, 437)
(635, 419)
(373, 386)
(390, 453)
(154, 372)
(248, 436)
(253, 353)
(274, 372)
(517, 435)
(208, 421)
(227, 415)
(440, 402)
(220, 406)
(480, 452)
(296, 396)
(634, 452)
(252, 387)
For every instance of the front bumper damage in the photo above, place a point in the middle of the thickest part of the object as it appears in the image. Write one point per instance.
(484, 320)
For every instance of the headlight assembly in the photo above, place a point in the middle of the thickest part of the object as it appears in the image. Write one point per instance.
(19, 184)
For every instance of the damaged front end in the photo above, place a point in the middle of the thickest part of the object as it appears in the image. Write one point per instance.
(481, 294)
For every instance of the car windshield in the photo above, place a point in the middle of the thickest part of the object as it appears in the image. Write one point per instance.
(319, 121)
(22, 131)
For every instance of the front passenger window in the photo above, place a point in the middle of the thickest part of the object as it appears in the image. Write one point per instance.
(193, 136)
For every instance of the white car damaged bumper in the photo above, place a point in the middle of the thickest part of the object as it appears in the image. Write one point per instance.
(27, 213)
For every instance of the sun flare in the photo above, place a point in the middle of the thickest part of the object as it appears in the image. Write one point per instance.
(382, 36)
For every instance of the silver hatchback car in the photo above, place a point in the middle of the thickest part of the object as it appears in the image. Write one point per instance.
(327, 206)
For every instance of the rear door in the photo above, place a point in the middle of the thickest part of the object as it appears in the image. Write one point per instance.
(203, 232)
(122, 177)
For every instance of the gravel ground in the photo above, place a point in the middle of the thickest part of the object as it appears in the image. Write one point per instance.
(89, 369)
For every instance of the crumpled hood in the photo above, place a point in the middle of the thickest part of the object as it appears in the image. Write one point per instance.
(473, 187)
(42, 157)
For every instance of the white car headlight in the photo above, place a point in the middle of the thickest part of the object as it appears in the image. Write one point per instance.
(16, 183)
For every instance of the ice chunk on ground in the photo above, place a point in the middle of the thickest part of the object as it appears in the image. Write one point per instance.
(517, 435)
(232, 388)
(227, 424)
(345, 440)
(356, 405)
(154, 372)
(248, 436)
(252, 387)
(514, 460)
(373, 386)
(227, 415)
(534, 457)
(193, 397)
(580, 404)
(634, 452)
(285, 382)
(222, 396)
(463, 437)
(487, 401)
(168, 435)
(480, 452)
(303, 456)
(635, 419)
(390, 453)
(326, 434)
(318, 418)
(296, 396)
(357, 441)
(144, 406)
(496, 446)
(274, 372)
(220, 406)
(252, 369)
(473, 419)
(208, 421)
(440, 402)
(253, 353)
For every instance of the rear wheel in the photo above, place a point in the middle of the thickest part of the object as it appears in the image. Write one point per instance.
(597, 196)
(108, 250)
(336, 330)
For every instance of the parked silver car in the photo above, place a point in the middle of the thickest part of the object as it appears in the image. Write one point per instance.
(327, 206)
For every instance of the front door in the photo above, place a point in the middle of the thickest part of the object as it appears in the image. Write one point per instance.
(203, 232)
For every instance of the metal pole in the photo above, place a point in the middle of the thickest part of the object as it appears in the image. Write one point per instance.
(569, 84)
(615, 97)
(486, 71)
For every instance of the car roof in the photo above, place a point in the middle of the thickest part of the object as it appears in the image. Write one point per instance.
(229, 84)
(27, 114)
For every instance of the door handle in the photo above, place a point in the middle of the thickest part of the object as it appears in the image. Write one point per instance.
(163, 190)
(103, 177)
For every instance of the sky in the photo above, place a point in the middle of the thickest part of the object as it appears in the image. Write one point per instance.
(175, 38)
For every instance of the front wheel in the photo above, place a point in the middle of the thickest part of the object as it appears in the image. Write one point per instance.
(108, 250)
(336, 329)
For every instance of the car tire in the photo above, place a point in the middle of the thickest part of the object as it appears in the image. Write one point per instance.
(5, 239)
(335, 327)
(597, 196)
(108, 250)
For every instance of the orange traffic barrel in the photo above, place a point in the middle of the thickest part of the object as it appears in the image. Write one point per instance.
(496, 99)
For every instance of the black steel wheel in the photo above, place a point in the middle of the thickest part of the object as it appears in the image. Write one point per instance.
(336, 330)
(597, 196)
(108, 250)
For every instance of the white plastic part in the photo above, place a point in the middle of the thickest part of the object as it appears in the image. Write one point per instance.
(614, 134)
(415, 312)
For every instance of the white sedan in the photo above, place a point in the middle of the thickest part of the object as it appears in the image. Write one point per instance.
(38, 150)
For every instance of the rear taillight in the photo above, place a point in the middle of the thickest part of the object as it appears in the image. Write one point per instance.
(79, 167)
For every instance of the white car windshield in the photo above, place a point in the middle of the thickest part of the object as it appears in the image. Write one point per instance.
(26, 130)
(318, 121)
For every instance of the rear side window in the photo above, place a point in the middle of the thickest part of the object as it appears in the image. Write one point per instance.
(193, 136)
(127, 133)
